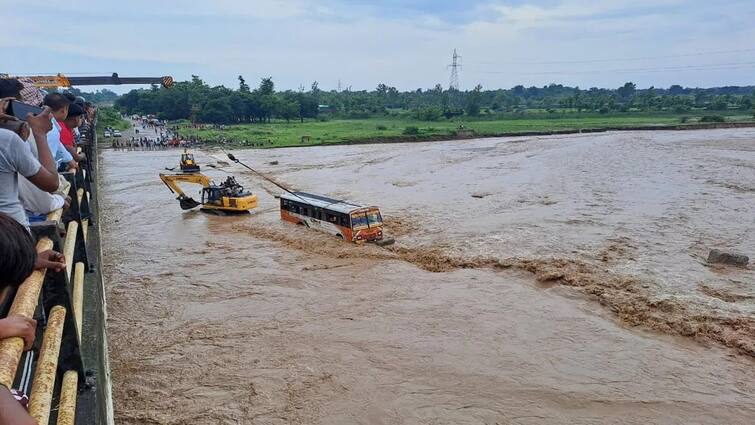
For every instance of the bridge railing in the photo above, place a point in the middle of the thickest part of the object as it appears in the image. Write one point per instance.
(66, 373)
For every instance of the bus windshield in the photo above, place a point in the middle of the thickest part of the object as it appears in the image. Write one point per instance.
(371, 218)
(374, 218)
(358, 220)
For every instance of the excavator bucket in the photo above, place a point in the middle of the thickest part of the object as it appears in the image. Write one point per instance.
(188, 203)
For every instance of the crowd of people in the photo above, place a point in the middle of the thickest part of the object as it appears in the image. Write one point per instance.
(163, 137)
(35, 150)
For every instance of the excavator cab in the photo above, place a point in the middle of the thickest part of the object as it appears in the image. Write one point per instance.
(227, 197)
(229, 190)
(188, 164)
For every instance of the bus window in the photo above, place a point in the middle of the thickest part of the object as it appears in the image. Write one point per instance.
(374, 218)
(359, 220)
(345, 221)
(305, 211)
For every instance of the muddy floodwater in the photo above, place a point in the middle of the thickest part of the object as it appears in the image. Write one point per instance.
(533, 280)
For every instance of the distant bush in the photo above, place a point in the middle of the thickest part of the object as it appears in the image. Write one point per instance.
(381, 127)
(358, 115)
(683, 119)
(680, 109)
(111, 117)
(603, 110)
(712, 118)
(428, 114)
(718, 105)
(411, 131)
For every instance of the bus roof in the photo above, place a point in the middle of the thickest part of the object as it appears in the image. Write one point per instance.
(322, 202)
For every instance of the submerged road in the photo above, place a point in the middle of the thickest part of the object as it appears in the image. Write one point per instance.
(249, 320)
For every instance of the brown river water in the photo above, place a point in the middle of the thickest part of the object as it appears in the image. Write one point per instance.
(533, 280)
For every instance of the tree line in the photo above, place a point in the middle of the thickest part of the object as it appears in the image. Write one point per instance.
(98, 97)
(195, 100)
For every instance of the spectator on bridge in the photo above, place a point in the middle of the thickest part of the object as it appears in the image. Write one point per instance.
(87, 122)
(73, 120)
(33, 199)
(16, 158)
(36, 202)
(58, 103)
(10, 88)
(30, 93)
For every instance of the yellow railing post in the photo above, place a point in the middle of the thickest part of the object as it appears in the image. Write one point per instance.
(78, 295)
(70, 245)
(68, 394)
(42, 387)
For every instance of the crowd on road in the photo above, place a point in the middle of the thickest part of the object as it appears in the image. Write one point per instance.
(151, 134)
(35, 149)
(148, 143)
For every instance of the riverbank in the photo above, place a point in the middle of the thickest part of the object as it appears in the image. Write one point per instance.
(371, 131)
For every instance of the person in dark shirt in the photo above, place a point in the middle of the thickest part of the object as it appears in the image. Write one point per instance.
(18, 259)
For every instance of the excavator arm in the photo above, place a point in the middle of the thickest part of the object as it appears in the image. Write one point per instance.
(172, 180)
(60, 80)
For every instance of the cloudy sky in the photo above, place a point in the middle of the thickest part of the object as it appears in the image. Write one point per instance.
(404, 43)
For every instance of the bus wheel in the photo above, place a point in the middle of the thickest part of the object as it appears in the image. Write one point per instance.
(340, 236)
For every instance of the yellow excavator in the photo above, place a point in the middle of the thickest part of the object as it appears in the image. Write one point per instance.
(188, 164)
(228, 197)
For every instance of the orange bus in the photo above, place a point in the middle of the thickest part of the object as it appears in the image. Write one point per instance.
(343, 219)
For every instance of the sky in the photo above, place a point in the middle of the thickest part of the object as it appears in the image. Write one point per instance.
(403, 43)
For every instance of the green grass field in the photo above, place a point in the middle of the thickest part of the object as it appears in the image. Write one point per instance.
(277, 134)
(109, 117)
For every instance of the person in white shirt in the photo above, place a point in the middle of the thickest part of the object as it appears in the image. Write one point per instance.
(34, 200)
(15, 159)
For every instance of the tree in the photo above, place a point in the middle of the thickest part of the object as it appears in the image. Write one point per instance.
(432, 113)
(627, 90)
(243, 86)
(267, 87)
(216, 111)
(473, 102)
(308, 106)
(745, 103)
(287, 109)
(675, 90)
(381, 89)
(719, 103)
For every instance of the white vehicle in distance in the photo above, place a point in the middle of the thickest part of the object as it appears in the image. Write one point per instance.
(116, 133)
(107, 134)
